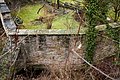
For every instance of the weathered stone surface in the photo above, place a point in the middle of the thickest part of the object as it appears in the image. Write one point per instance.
(4, 8)
(59, 31)
(51, 49)
(54, 46)
(105, 48)
(2, 1)
(46, 32)
(9, 24)
(56, 49)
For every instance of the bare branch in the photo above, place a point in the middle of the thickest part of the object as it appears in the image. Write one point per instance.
(2, 56)
(92, 65)
(40, 8)
(2, 35)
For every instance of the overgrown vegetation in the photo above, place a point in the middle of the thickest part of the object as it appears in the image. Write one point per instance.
(62, 18)
(116, 6)
(96, 12)
(114, 34)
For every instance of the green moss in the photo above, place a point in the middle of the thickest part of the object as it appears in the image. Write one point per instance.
(65, 22)
(29, 13)
(111, 14)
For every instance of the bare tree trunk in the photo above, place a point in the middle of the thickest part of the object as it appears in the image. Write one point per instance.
(117, 14)
(49, 25)
(58, 4)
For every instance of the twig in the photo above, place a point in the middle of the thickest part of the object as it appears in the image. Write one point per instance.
(92, 65)
(92, 76)
(19, 9)
(10, 49)
(79, 27)
(12, 65)
(40, 8)
(15, 59)
(2, 35)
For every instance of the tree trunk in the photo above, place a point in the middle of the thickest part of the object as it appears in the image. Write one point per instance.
(58, 4)
(116, 15)
(49, 25)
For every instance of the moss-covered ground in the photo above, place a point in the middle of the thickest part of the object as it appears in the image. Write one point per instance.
(28, 14)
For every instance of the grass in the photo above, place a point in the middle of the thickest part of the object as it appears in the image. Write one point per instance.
(29, 13)
(65, 22)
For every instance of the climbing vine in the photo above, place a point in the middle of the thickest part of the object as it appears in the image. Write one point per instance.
(91, 33)
(96, 14)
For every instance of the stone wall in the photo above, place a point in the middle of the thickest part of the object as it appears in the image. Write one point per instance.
(51, 49)
(56, 49)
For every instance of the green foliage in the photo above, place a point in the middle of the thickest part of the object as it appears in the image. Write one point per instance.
(116, 6)
(96, 13)
(28, 14)
(90, 44)
(91, 33)
(113, 33)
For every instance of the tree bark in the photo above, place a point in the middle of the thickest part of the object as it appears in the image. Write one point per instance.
(58, 4)
(116, 15)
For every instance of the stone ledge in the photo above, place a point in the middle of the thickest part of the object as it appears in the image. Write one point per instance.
(23, 32)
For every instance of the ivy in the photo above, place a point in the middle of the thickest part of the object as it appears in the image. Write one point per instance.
(90, 44)
(91, 34)
(113, 33)
(96, 13)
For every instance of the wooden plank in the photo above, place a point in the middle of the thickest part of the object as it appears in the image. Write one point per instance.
(4, 8)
